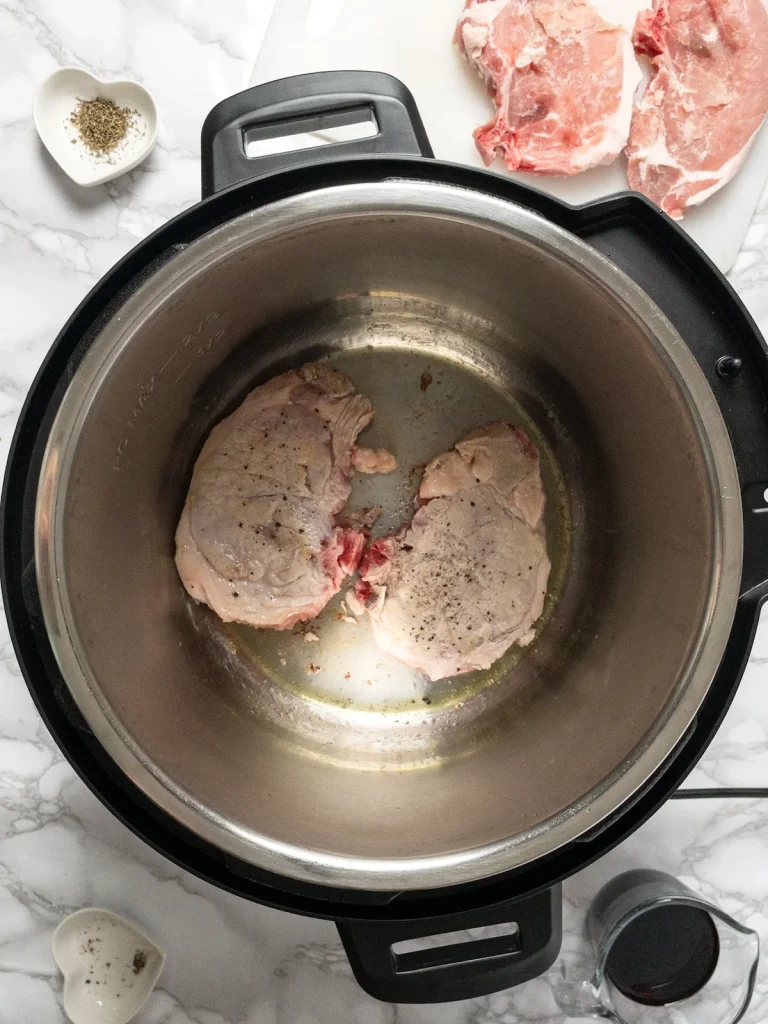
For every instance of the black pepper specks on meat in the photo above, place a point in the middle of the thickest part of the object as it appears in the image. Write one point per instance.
(211, 540)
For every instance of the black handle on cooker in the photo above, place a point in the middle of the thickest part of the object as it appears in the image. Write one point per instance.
(302, 104)
(440, 972)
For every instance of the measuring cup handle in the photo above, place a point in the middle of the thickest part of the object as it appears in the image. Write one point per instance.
(439, 973)
(307, 103)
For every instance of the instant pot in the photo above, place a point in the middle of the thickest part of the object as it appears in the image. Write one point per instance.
(602, 327)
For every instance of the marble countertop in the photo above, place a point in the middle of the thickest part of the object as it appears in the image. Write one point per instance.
(230, 961)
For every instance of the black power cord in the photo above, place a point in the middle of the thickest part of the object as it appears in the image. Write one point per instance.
(745, 792)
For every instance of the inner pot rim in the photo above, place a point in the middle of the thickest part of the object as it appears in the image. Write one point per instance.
(402, 198)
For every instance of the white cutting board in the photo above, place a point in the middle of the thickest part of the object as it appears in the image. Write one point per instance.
(411, 39)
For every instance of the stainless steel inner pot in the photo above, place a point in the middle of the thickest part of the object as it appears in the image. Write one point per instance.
(359, 773)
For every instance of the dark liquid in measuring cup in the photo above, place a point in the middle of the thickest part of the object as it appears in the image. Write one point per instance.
(664, 955)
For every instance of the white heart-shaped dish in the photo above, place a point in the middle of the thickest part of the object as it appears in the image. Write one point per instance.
(110, 966)
(55, 102)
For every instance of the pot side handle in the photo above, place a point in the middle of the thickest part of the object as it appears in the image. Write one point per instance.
(304, 104)
(463, 969)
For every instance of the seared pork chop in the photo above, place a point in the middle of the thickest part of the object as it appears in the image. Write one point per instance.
(562, 80)
(467, 578)
(257, 540)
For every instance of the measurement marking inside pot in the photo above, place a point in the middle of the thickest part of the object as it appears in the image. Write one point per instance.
(167, 362)
(145, 389)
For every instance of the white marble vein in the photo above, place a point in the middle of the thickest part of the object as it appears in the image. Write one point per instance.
(231, 962)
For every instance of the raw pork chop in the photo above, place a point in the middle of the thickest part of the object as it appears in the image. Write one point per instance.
(466, 580)
(707, 97)
(562, 80)
(257, 540)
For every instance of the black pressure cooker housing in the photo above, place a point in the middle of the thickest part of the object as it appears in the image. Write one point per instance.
(637, 238)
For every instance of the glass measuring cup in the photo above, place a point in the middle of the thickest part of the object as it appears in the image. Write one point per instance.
(663, 956)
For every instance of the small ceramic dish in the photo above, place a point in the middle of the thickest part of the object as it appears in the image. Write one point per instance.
(110, 966)
(56, 101)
